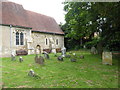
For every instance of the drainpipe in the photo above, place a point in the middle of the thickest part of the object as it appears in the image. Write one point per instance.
(11, 38)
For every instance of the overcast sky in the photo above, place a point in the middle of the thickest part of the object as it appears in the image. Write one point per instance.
(53, 8)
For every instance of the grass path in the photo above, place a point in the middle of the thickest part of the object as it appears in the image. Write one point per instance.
(85, 73)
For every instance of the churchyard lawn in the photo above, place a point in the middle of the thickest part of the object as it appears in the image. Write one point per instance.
(85, 73)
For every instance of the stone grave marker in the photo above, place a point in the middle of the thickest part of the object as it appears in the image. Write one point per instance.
(73, 60)
(63, 50)
(13, 57)
(38, 58)
(20, 59)
(60, 58)
(93, 50)
(107, 58)
(46, 55)
(81, 57)
(67, 56)
(31, 73)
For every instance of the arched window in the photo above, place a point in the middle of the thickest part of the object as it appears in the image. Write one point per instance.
(56, 41)
(46, 41)
(21, 38)
(17, 38)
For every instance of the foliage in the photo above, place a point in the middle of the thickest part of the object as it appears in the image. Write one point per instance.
(91, 43)
(83, 19)
(85, 73)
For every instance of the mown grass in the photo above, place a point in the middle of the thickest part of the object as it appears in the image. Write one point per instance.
(85, 73)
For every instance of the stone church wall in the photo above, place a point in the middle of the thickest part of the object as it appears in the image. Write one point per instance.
(31, 40)
(40, 39)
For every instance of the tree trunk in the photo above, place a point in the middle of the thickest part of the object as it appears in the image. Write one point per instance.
(100, 48)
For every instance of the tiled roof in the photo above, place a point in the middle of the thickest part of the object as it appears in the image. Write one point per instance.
(15, 14)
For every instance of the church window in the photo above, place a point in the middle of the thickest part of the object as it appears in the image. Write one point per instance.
(17, 38)
(57, 41)
(21, 39)
(46, 41)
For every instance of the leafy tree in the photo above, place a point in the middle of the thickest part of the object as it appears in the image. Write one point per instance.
(84, 19)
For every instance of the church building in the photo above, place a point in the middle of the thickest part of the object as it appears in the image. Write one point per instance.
(24, 30)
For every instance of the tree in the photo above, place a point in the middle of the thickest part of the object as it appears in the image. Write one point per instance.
(83, 19)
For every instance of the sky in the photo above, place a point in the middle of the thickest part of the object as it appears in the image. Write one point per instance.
(53, 8)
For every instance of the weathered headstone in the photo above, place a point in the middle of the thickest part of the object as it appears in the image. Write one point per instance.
(81, 57)
(38, 58)
(60, 58)
(13, 57)
(63, 50)
(93, 50)
(31, 73)
(84, 46)
(20, 59)
(73, 60)
(107, 58)
(67, 56)
(46, 55)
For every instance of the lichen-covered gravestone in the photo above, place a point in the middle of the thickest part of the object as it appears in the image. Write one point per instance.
(93, 50)
(107, 58)
(38, 58)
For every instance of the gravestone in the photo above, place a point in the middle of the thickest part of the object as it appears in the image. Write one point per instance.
(63, 50)
(13, 57)
(73, 60)
(20, 59)
(93, 50)
(38, 58)
(107, 58)
(46, 55)
(31, 73)
(60, 58)
(81, 57)
(67, 56)
(84, 46)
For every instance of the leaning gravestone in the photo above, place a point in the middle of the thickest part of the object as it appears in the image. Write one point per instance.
(63, 50)
(93, 50)
(46, 55)
(107, 58)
